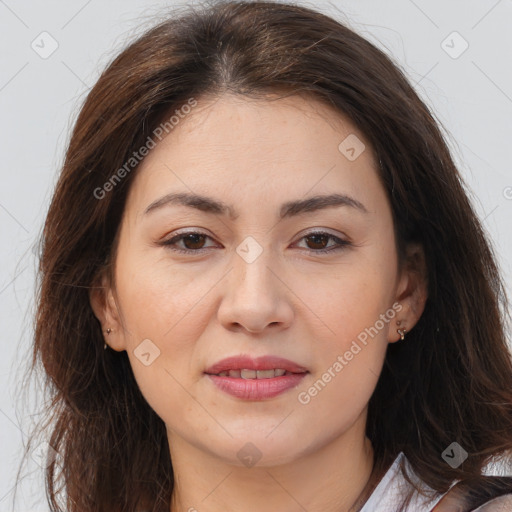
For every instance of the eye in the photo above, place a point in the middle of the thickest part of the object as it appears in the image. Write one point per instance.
(318, 239)
(193, 242)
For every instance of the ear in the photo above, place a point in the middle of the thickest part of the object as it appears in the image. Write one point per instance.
(105, 308)
(412, 291)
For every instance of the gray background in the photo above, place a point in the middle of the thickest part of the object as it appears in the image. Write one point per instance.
(470, 93)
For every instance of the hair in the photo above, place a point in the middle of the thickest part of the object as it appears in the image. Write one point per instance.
(449, 381)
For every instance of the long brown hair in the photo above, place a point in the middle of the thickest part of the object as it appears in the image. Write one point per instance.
(450, 381)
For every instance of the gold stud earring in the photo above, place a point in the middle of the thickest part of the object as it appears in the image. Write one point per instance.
(108, 331)
(402, 333)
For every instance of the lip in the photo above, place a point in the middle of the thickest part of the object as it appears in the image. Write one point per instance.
(260, 363)
(256, 389)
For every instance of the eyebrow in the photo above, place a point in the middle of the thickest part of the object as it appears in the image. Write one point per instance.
(288, 209)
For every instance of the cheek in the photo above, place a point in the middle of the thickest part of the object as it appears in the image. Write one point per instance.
(354, 303)
(159, 298)
(161, 305)
(355, 325)
(349, 298)
(349, 349)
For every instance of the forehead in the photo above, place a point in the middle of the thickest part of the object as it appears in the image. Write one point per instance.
(236, 146)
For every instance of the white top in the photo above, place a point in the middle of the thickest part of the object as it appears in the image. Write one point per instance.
(393, 487)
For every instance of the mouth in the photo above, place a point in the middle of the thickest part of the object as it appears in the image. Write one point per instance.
(256, 379)
(255, 374)
(246, 367)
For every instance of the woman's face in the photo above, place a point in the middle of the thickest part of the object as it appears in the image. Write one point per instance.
(253, 281)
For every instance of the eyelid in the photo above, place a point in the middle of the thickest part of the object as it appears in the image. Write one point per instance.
(323, 231)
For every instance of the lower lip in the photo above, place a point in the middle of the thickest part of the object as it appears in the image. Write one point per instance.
(257, 389)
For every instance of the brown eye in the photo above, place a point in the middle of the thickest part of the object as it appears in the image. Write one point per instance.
(319, 240)
(193, 240)
(187, 242)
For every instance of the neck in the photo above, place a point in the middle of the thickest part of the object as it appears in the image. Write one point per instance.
(333, 478)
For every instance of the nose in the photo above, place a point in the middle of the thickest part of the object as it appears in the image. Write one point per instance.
(256, 297)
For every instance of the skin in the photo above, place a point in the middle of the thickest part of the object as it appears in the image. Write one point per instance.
(291, 301)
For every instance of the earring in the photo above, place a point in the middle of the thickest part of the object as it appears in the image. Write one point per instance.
(402, 333)
(108, 331)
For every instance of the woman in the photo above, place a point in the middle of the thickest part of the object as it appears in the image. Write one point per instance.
(263, 284)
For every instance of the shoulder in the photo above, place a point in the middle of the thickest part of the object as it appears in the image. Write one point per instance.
(459, 503)
(393, 488)
(500, 504)
(481, 494)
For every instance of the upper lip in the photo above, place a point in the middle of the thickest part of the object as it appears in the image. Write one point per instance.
(259, 363)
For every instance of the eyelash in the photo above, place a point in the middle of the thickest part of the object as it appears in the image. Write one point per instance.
(172, 242)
